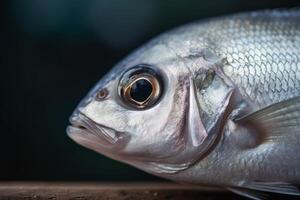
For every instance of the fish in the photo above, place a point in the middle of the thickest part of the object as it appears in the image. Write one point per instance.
(213, 102)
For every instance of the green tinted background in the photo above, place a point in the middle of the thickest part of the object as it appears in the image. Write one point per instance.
(53, 52)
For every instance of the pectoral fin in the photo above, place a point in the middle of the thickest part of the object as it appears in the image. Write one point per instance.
(276, 120)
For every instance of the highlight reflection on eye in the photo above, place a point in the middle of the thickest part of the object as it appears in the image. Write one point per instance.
(140, 87)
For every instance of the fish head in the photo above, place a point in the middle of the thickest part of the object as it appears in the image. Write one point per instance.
(145, 112)
(136, 113)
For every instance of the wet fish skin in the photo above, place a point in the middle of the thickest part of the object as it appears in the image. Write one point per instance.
(223, 70)
(260, 53)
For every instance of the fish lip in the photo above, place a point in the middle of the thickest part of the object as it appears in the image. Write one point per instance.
(80, 123)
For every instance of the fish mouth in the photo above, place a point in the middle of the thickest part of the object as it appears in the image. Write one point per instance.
(81, 124)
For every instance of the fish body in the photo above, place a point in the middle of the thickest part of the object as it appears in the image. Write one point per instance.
(215, 102)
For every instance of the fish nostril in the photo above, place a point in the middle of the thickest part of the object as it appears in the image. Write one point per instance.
(102, 94)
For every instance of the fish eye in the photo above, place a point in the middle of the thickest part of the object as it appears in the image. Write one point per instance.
(140, 87)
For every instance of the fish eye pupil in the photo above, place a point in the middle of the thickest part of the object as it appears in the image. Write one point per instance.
(141, 90)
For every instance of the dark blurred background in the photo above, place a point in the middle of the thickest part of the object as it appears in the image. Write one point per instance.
(53, 52)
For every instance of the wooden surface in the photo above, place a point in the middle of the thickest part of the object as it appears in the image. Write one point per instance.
(108, 191)
(114, 191)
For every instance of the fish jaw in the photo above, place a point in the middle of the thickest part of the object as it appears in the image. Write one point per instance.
(95, 136)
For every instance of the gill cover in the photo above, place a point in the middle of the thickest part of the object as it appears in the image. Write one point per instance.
(199, 139)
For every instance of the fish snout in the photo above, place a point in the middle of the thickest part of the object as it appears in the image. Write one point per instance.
(75, 120)
(86, 125)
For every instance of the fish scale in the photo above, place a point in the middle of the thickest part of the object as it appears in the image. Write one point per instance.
(261, 49)
(263, 58)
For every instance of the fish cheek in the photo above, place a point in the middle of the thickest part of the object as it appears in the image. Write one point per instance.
(148, 134)
(159, 130)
